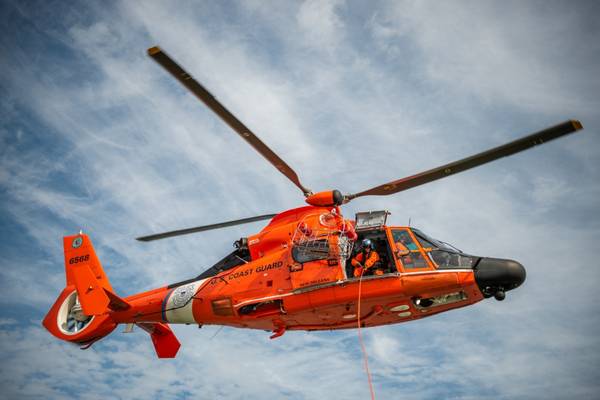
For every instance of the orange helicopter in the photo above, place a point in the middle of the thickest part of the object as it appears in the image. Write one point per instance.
(303, 271)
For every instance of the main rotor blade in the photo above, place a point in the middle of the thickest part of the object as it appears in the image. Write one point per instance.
(211, 102)
(180, 232)
(476, 160)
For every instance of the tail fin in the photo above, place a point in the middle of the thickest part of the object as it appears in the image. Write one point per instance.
(83, 269)
(80, 314)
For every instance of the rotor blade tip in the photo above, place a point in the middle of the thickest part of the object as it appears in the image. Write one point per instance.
(576, 124)
(154, 50)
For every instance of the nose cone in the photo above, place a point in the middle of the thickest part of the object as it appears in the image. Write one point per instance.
(494, 274)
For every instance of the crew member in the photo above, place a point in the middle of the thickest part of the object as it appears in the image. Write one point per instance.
(365, 259)
(405, 240)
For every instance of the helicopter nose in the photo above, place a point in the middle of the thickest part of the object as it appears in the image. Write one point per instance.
(495, 276)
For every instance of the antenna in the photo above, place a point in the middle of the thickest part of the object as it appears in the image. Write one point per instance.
(409, 222)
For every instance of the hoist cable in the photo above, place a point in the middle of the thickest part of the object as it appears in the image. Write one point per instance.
(360, 338)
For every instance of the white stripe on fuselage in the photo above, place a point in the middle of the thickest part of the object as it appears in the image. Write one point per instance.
(178, 308)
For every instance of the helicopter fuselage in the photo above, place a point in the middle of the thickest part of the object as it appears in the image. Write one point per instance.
(298, 277)
(299, 273)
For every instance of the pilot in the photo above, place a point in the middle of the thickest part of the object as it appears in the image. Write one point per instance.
(365, 259)
(406, 241)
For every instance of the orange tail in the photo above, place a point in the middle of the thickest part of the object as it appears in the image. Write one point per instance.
(83, 312)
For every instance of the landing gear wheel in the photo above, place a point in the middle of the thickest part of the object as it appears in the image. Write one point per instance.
(500, 295)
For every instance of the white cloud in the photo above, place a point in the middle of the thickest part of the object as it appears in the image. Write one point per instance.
(320, 23)
(525, 56)
(97, 136)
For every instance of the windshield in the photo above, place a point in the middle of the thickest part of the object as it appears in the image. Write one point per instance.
(446, 259)
(428, 242)
(443, 254)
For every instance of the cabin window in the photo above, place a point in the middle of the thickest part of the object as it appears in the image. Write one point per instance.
(262, 309)
(222, 307)
(312, 250)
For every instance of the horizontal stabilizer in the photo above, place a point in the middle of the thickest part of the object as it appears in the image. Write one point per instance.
(163, 338)
(116, 303)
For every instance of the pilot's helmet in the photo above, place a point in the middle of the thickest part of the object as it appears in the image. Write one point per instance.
(367, 243)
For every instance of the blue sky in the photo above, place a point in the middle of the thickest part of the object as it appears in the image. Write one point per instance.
(95, 136)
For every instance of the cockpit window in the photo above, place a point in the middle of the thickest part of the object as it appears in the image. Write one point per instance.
(402, 236)
(448, 260)
(429, 242)
(425, 243)
(413, 258)
(443, 254)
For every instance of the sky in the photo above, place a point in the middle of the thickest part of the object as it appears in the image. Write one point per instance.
(351, 94)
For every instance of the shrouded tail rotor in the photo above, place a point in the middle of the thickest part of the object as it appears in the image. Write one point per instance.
(71, 319)
(79, 314)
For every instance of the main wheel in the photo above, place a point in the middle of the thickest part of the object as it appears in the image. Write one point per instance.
(500, 295)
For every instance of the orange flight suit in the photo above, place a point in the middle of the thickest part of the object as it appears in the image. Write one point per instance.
(358, 260)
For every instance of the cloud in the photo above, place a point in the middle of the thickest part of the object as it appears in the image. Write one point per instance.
(320, 24)
(94, 135)
(526, 56)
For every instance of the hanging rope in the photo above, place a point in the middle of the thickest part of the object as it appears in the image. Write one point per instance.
(360, 338)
